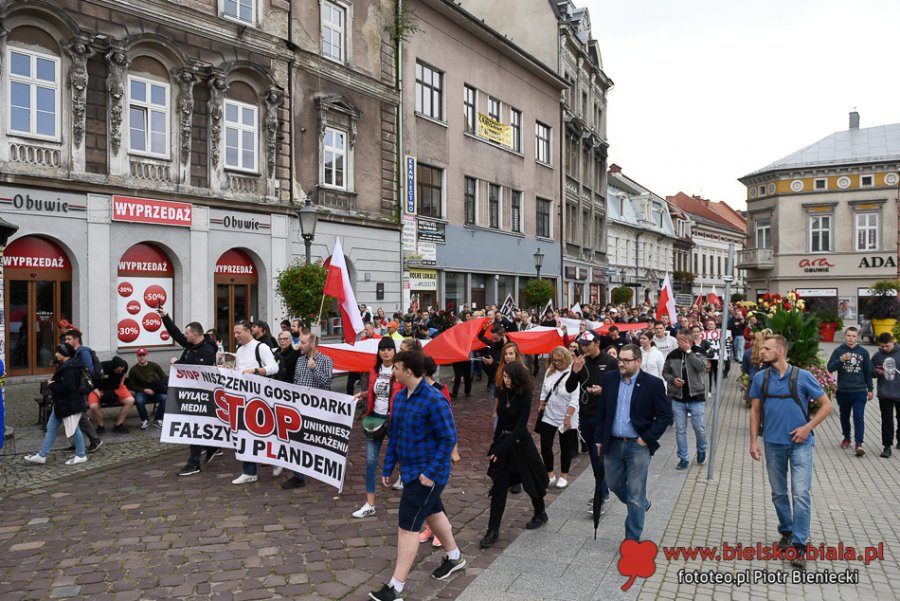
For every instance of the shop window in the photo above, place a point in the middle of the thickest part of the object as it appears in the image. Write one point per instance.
(37, 294)
(145, 282)
(237, 294)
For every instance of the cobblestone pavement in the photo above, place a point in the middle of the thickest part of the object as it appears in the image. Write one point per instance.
(134, 530)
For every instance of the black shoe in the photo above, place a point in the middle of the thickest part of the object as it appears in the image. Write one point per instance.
(96, 444)
(447, 567)
(886, 453)
(799, 562)
(386, 593)
(294, 482)
(213, 455)
(189, 470)
(785, 541)
(537, 521)
(515, 489)
(490, 537)
(100, 429)
(121, 429)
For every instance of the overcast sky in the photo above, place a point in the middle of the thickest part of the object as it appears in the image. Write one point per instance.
(707, 91)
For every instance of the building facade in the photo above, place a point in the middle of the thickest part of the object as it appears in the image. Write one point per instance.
(146, 156)
(641, 237)
(481, 127)
(823, 219)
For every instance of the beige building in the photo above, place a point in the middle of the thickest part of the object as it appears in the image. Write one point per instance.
(823, 220)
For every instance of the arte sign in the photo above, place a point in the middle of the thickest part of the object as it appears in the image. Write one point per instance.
(145, 210)
(815, 265)
(265, 421)
(876, 262)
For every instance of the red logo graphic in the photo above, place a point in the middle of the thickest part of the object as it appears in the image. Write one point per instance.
(164, 335)
(822, 262)
(154, 296)
(133, 307)
(638, 559)
(128, 330)
(151, 322)
(125, 289)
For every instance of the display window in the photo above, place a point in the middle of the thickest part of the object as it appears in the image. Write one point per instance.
(145, 282)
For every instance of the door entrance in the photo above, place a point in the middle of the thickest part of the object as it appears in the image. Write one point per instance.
(236, 294)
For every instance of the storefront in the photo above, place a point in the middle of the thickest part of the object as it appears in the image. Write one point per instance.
(237, 293)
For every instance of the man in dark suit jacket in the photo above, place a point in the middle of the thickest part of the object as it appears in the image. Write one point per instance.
(634, 413)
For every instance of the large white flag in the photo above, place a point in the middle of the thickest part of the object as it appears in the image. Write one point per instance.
(337, 284)
(666, 302)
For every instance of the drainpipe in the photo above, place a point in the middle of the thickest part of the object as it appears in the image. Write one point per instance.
(637, 262)
(401, 169)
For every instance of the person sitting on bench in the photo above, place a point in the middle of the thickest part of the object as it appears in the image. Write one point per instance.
(112, 382)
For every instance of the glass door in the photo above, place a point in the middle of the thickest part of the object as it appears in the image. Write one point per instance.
(17, 329)
(33, 310)
(234, 303)
(45, 324)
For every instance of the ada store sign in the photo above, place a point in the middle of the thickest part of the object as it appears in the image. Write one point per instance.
(265, 421)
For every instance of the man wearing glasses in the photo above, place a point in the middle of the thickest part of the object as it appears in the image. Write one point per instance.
(633, 413)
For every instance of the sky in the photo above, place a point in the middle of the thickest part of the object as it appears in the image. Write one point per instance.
(707, 91)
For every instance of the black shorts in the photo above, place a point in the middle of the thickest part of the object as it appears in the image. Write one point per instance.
(417, 503)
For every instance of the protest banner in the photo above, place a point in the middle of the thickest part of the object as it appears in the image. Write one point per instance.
(305, 430)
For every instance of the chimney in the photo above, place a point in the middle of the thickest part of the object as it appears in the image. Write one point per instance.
(614, 169)
(854, 120)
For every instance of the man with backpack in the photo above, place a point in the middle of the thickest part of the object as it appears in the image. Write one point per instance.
(91, 363)
(780, 397)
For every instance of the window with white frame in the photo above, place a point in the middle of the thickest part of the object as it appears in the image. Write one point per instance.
(469, 108)
(493, 108)
(764, 233)
(334, 158)
(429, 189)
(148, 116)
(820, 233)
(469, 197)
(33, 93)
(494, 205)
(542, 221)
(515, 125)
(515, 210)
(241, 136)
(429, 91)
(334, 26)
(867, 231)
(542, 142)
(820, 183)
(241, 10)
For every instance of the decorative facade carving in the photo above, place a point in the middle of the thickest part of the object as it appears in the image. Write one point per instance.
(186, 78)
(217, 89)
(273, 102)
(347, 115)
(79, 52)
(115, 87)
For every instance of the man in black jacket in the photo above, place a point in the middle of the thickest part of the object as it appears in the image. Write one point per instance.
(588, 370)
(198, 350)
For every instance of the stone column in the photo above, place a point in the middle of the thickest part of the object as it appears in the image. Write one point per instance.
(186, 79)
(216, 107)
(117, 59)
(79, 52)
(274, 99)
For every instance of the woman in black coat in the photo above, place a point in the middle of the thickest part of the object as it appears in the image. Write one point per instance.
(68, 400)
(514, 457)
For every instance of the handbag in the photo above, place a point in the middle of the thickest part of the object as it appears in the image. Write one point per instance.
(540, 414)
(374, 427)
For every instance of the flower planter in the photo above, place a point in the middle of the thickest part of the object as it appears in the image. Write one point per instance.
(826, 331)
(880, 326)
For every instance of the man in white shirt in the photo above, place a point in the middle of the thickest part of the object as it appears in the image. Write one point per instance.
(252, 357)
(665, 343)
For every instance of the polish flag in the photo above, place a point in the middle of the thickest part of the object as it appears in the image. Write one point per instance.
(714, 298)
(666, 302)
(337, 285)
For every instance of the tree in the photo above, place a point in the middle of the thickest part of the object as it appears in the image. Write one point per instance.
(300, 287)
(621, 295)
(538, 292)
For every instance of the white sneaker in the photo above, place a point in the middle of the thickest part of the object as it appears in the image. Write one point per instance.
(398, 485)
(75, 460)
(145, 424)
(365, 511)
(562, 483)
(243, 479)
(277, 471)
(36, 458)
(552, 480)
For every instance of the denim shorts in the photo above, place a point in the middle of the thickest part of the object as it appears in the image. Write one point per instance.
(417, 503)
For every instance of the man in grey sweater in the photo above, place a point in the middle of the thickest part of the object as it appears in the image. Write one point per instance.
(684, 372)
(885, 362)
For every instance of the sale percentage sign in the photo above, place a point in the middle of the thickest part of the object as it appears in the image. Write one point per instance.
(638, 559)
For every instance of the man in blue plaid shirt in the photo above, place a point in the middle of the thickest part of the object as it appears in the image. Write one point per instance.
(422, 437)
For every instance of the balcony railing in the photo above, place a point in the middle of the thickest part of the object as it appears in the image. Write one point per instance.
(756, 258)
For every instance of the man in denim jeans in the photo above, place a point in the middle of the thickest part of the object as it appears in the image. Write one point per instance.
(684, 371)
(789, 441)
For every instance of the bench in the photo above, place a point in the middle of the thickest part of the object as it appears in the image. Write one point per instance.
(45, 404)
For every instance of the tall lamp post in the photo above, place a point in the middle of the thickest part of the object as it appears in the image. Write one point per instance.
(538, 262)
(309, 217)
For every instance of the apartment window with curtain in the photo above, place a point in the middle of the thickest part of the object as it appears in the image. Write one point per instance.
(866, 231)
(819, 233)
(429, 92)
(515, 210)
(469, 108)
(764, 233)
(429, 189)
(469, 191)
(494, 205)
(542, 220)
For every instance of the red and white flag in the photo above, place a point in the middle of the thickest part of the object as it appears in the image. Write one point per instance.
(337, 284)
(666, 302)
(714, 298)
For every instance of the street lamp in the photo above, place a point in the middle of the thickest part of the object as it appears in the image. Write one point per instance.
(7, 229)
(538, 262)
(308, 220)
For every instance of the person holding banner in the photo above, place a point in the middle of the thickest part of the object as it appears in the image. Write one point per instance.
(383, 386)
(252, 357)
(422, 437)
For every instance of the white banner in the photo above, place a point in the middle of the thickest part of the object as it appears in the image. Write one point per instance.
(265, 421)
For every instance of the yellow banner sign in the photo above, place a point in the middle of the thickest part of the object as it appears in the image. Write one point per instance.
(494, 130)
(422, 279)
